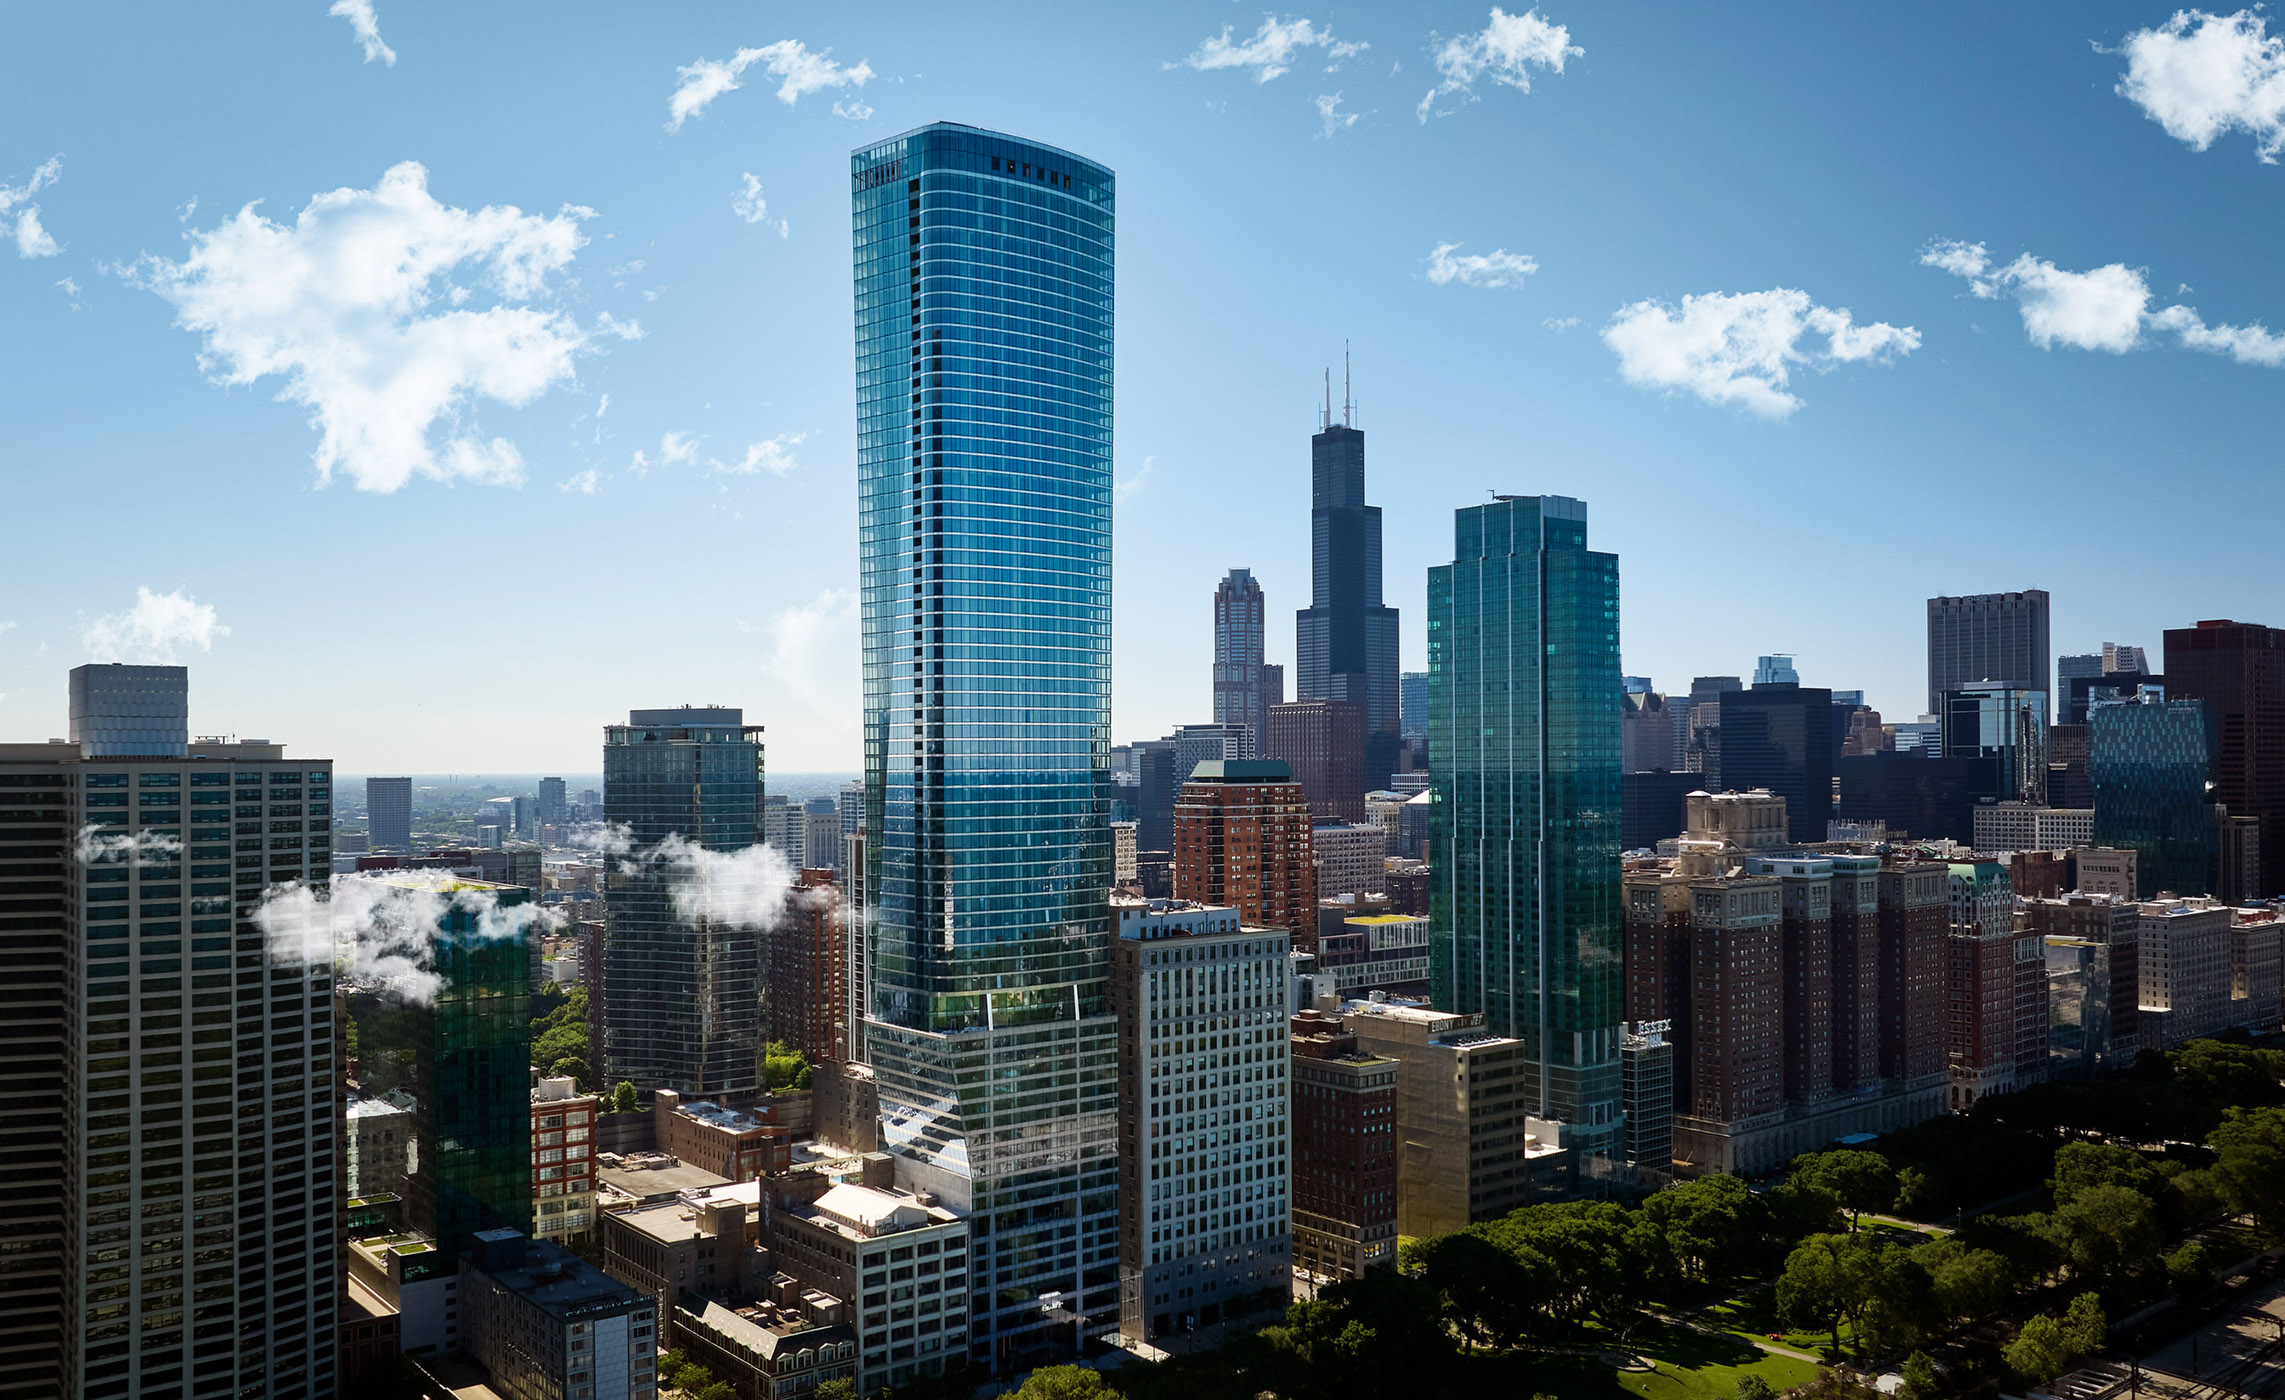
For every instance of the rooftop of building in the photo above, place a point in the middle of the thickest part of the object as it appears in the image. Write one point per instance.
(359, 1106)
(551, 1278)
(1386, 919)
(680, 1218)
(714, 1115)
(762, 1328)
(651, 1176)
(1242, 770)
(559, 1091)
(865, 1212)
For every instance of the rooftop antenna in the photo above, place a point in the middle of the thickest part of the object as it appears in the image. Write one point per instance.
(1345, 402)
(1325, 423)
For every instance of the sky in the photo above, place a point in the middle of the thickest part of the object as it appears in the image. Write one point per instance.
(441, 381)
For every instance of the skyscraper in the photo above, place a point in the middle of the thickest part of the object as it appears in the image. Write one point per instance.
(1346, 640)
(2147, 763)
(1242, 840)
(1523, 679)
(1238, 654)
(127, 1121)
(552, 806)
(1989, 719)
(1780, 736)
(1988, 637)
(2238, 670)
(984, 372)
(681, 993)
(1775, 670)
(389, 813)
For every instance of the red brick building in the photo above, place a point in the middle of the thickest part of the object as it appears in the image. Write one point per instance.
(803, 979)
(1242, 841)
(1324, 741)
(563, 1161)
(1344, 1151)
(1915, 915)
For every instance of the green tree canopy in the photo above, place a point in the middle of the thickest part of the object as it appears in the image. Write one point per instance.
(1065, 1383)
(1854, 1181)
(2250, 1170)
(623, 1098)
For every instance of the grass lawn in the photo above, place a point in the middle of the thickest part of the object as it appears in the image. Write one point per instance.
(1756, 1317)
(1691, 1366)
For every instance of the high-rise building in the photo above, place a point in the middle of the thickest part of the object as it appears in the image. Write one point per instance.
(1988, 637)
(1775, 670)
(2093, 944)
(1205, 1231)
(2147, 763)
(1996, 1007)
(2085, 667)
(2022, 826)
(1352, 859)
(2184, 971)
(1155, 794)
(1412, 714)
(1702, 721)
(821, 834)
(1653, 733)
(389, 813)
(563, 1161)
(1321, 741)
(1238, 617)
(2238, 670)
(1242, 839)
(802, 980)
(1344, 1152)
(552, 806)
(2123, 659)
(1988, 719)
(984, 388)
(1345, 641)
(1780, 737)
(1523, 668)
(682, 989)
(127, 906)
(1201, 743)
(786, 826)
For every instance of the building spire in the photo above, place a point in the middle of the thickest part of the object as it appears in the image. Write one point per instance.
(1346, 406)
(1325, 419)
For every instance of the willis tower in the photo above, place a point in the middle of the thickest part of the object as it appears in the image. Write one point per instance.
(1345, 640)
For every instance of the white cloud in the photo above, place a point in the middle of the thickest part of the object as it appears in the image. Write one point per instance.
(1740, 349)
(386, 926)
(2107, 308)
(1329, 111)
(745, 888)
(159, 626)
(70, 289)
(772, 455)
(367, 28)
(585, 483)
(1506, 50)
(676, 448)
(341, 304)
(1497, 269)
(748, 204)
(852, 109)
(182, 215)
(1272, 50)
(2202, 76)
(799, 72)
(32, 241)
(95, 846)
(1561, 324)
(1122, 490)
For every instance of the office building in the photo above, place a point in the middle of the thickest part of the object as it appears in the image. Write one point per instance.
(2257, 969)
(2237, 669)
(1469, 1148)
(1986, 719)
(1238, 619)
(987, 708)
(2184, 971)
(2025, 826)
(1242, 839)
(770, 1347)
(1205, 1226)
(1350, 859)
(1123, 852)
(552, 807)
(389, 813)
(378, 1144)
(1344, 1152)
(1156, 790)
(1204, 743)
(821, 834)
(786, 826)
(550, 1327)
(734, 1144)
(1366, 952)
(1779, 737)
(2147, 763)
(1321, 741)
(1654, 731)
(1345, 641)
(1775, 670)
(1654, 806)
(802, 979)
(1995, 1020)
(901, 1260)
(2094, 977)
(1523, 665)
(1915, 795)
(1646, 1089)
(125, 896)
(1988, 637)
(1702, 721)
(1915, 978)
(1412, 716)
(682, 990)
(563, 1161)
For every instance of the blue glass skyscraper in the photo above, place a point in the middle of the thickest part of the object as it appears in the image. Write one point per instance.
(2147, 764)
(984, 302)
(1523, 720)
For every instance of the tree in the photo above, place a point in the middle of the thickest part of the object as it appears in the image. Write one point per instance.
(2084, 1326)
(623, 1098)
(576, 1069)
(1713, 1226)
(784, 1067)
(1899, 1305)
(1967, 1283)
(1911, 1188)
(2250, 1165)
(1854, 1181)
(1490, 1293)
(1753, 1387)
(838, 1388)
(1065, 1383)
(719, 1390)
(1825, 1280)
(2048, 1346)
(1920, 1380)
(2105, 1232)
(2082, 1166)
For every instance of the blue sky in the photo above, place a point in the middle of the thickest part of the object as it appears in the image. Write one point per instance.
(1980, 420)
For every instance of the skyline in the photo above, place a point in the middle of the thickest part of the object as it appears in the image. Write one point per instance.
(1958, 382)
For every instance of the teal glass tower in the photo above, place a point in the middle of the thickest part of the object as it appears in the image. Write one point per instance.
(984, 300)
(2147, 763)
(1523, 702)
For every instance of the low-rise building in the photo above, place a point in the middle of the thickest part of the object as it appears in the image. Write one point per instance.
(2106, 870)
(705, 1242)
(1376, 953)
(902, 1262)
(769, 1350)
(2185, 970)
(2257, 968)
(2026, 826)
(1468, 1146)
(741, 1144)
(402, 1276)
(549, 1327)
(563, 1161)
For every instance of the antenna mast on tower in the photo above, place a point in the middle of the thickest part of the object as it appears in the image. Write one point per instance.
(1325, 419)
(1346, 406)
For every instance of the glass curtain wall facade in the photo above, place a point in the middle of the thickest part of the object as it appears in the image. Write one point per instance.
(1238, 654)
(2147, 765)
(1524, 700)
(681, 995)
(472, 1072)
(1999, 722)
(984, 373)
